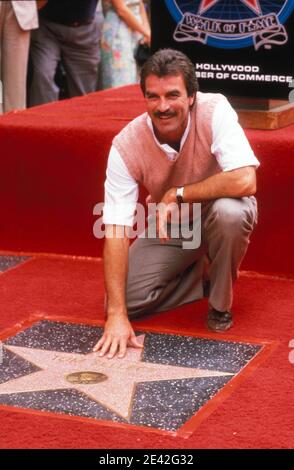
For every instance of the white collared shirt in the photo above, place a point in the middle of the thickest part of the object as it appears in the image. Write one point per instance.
(229, 146)
(168, 150)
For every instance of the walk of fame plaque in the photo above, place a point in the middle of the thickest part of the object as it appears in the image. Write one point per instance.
(50, 367)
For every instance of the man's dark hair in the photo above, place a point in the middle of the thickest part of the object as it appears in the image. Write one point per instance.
(170, 62)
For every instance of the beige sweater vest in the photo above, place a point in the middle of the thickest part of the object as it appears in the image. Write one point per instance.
(149, 165)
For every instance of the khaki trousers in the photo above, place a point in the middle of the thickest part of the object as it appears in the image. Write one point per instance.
(164, 275)
(14, 49)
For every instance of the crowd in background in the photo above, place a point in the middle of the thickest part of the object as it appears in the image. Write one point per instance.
(51, 49)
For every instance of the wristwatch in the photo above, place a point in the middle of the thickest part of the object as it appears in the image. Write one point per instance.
(180, 194)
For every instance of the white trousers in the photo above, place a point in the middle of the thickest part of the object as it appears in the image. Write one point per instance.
(14, 50)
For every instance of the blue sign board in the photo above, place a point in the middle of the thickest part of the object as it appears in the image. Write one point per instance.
(239, 47)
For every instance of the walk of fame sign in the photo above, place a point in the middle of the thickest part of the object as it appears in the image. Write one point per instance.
(240, 47)
(50, 367)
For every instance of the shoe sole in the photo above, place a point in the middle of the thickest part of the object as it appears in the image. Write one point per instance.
(219, 327)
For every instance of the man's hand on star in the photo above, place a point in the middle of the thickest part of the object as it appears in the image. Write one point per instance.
(118, 334)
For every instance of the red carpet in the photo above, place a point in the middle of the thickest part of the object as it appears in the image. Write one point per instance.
(53, 161)
(258, 412)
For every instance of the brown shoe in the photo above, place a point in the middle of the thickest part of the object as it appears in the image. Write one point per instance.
(219, 321)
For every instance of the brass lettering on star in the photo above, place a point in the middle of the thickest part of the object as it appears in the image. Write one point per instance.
(86, 377)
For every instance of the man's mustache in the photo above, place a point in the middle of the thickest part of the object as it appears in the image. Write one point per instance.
(158, 114)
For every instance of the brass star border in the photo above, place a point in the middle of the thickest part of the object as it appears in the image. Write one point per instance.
(170, 386)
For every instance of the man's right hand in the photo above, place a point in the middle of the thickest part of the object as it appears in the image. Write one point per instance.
(118, 334)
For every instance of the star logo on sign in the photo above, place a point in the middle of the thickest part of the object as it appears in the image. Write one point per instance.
(109, 382)
(253, 5)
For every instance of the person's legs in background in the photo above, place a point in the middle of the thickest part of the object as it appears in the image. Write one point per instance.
(81, 57)
(45, 55)
(14, 59)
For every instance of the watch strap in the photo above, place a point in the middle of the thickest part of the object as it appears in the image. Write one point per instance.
(180, 194)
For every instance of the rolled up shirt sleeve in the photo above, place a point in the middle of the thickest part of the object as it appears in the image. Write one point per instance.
(229, 142)
(121, 192)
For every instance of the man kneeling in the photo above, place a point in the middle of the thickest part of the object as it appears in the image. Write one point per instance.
(187, 148)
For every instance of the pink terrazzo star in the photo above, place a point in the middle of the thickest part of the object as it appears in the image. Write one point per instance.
(115, 392)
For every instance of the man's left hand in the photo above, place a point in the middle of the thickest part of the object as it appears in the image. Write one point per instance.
(164, 212)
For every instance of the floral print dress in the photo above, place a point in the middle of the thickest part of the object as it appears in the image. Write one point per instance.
(117, 47)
